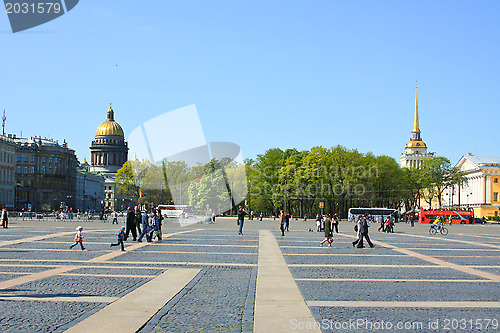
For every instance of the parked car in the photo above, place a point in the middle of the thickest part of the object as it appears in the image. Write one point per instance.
(478, 220)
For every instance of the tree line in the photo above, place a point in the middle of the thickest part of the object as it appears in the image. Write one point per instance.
(340, 178)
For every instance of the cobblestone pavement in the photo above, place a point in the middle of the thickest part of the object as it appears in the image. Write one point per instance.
(410, 282)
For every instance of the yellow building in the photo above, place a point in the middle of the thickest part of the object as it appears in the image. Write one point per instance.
(416, 149)
(482, 188)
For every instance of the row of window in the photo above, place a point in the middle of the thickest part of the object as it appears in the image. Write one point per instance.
(7, 157)
(495, 180)
(27, 170)
(495, 196)
(44, 159)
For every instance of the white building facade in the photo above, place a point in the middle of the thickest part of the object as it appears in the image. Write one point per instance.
(481, 189)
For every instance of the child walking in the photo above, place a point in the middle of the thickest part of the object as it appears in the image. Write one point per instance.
(78, 238)
(121, 237)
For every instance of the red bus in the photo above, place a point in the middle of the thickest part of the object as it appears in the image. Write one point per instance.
(455, 216)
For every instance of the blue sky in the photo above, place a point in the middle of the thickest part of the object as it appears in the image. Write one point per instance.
(263, 74)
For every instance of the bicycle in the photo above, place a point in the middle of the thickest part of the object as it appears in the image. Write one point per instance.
(434, 229)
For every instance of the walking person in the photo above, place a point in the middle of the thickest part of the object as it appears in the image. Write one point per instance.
(146, 230)
(335, 223)
(391, 225)
(328, 232)
(115, 218)
(241, 219)
(287, 221)
(78, 238)
(138, 219)
(387, 224)
(120, 237)
(357, 228)
(282, 223)
(131, 224)
(5, 218)
(160, 217)
(381, 221)
(363, 233)
(155, 221)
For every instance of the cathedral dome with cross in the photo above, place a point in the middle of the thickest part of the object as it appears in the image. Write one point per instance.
(109, 150)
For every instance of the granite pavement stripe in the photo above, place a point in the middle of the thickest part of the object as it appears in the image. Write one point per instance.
(149, 265)
(276, 306)
(410, 304)
(132, 311)
(440, 249)
(345, 254)
(457, 241)
(110, 275)
(46, 298)
(391, 280)
(35, 276)
(366, 265)
(35, 238)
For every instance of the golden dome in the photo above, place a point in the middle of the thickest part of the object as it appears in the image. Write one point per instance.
(110, 126)
(416, 144)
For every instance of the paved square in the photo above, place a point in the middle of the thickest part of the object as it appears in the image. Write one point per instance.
(206, 278)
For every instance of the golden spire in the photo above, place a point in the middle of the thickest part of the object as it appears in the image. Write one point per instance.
(415, 121)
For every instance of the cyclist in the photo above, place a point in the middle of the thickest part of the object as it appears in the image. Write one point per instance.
(437, 223)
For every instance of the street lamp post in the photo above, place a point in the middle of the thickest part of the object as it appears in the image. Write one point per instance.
(232, 203)
(249, 194)
(285, 197)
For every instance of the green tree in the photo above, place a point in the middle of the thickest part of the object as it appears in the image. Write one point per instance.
(438, 174)
(126, 182)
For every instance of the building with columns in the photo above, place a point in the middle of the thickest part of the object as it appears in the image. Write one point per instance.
(416, 149)
(481, 191)
(109, 150)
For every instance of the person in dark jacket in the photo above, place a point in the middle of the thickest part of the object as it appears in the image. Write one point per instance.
(363, 233)
(138, 219)
(146, 230)
(155, 221)
(335, 223)
(131, 224)
(241, 219)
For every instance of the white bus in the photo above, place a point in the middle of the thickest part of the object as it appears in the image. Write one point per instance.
(176, 211)
(355, 212)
